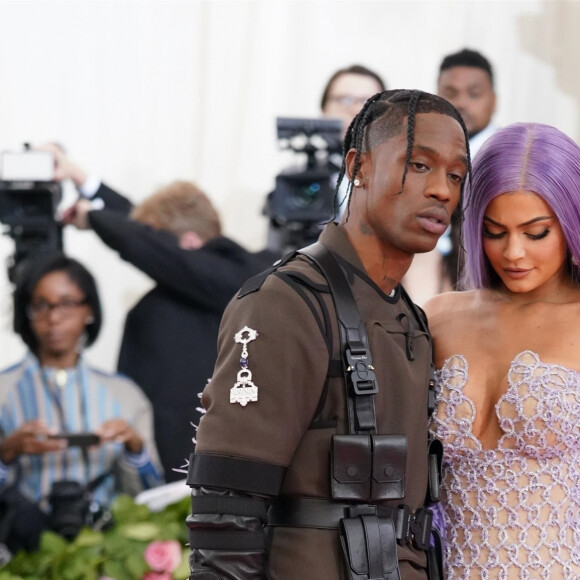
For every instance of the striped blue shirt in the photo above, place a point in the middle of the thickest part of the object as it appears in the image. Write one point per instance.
(79, 399)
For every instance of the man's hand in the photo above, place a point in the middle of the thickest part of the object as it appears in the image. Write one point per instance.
(29, 438)
(76, 215)
(64, 168)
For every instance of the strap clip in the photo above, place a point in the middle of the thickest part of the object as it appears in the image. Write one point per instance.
(362, 376)
(421, 528)
(414, 527)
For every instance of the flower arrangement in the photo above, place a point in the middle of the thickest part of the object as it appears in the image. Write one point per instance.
(141, 545)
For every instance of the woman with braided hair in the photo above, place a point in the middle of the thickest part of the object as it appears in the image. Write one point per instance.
(266, 502)
(509, 372)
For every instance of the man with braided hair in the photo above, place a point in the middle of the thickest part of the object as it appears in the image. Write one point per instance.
(312, 458)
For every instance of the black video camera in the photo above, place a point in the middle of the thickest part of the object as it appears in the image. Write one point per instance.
(73, 507)
(70, 503)
(304, 197)
(29, 197)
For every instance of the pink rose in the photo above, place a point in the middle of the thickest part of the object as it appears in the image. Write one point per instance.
(162, 557)
(157, 576)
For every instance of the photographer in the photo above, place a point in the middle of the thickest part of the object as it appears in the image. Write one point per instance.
(52, 396)
(169, 340)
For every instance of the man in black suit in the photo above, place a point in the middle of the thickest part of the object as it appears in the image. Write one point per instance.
(170, 337)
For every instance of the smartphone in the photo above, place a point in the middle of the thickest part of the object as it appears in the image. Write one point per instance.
(78, 439)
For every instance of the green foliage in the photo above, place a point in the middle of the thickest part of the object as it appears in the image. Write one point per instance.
(115, 553)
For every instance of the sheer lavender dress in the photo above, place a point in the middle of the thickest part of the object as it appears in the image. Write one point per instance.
(512, 511)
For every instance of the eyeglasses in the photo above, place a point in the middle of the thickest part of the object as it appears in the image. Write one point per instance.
(42, 309)
(348, 100)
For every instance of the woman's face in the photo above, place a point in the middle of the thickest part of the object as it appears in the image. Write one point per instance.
(58, 314)
(347, 95)
(524, 242)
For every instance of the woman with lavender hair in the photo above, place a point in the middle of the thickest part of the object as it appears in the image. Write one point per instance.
(508, 354)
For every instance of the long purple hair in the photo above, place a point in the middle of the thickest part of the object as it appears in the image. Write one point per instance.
(528, 157)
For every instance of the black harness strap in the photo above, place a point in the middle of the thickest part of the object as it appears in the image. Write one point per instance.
(245, 475)
(225, 540)
(237, 506)
(255, 283)
(358, 370)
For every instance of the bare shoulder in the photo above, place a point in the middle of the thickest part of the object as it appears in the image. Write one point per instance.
(453, 313)
(450, 302)
(452, 318)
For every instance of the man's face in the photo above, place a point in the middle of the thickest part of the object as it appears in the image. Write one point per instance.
(347, 95)
(412, 220)
(469, 90)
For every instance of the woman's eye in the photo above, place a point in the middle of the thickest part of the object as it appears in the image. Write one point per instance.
(419, 166)
(540, 235)
(456, 178)
(492, 235)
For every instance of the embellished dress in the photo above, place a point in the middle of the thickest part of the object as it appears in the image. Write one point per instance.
(512, 511)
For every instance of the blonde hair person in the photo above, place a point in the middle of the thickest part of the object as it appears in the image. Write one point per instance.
(179, 208)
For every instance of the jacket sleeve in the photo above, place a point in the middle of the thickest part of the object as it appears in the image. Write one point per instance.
(208, 278)
(113, 199)
(243, 451)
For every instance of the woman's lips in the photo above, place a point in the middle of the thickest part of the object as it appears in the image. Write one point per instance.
(516, 274)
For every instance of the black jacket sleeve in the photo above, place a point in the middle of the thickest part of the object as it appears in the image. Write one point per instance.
(113, 200)
(209, 276)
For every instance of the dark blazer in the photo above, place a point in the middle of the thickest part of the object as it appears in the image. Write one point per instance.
(170, 336)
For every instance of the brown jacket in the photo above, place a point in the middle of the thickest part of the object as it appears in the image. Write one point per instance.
(289, 364)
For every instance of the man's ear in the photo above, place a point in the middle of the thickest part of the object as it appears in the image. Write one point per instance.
(349, 164)
(190, 241)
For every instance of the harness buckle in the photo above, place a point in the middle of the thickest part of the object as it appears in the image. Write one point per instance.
(414, 527)
(421, 528)
(362, 376)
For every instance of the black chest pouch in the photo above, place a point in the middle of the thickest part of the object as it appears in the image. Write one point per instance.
(368, 468)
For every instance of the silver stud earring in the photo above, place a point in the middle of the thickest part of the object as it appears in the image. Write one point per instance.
(356, 182)
(575, 261)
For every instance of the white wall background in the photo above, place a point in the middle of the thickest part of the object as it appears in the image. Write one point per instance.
(147, 92)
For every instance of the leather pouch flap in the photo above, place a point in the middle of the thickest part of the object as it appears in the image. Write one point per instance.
(389, 464)
(389, 458)
(351, 458)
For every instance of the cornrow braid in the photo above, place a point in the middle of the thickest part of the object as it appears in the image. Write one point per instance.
(382, 118)
(412, 109)
(355, 133)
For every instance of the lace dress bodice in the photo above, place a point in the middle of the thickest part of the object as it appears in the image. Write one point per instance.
(512, 511)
